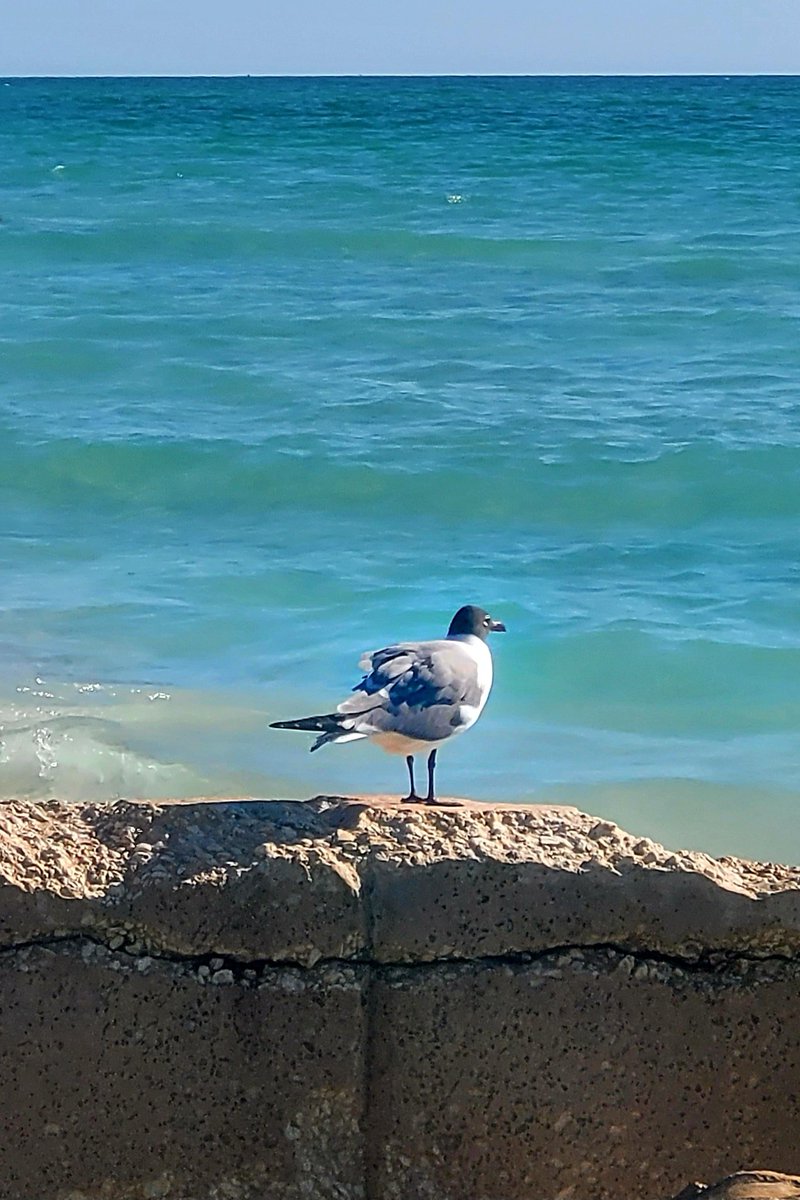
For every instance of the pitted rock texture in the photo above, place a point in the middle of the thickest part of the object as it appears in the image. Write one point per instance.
(137, 1084)
(356, 999)
(618, 1076)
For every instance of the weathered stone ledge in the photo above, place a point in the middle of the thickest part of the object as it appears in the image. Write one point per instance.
(379, 882)
(358, 999)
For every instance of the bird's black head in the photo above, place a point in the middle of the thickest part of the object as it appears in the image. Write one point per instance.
(477, 621)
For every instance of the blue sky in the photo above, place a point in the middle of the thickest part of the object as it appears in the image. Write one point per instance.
(298, 37)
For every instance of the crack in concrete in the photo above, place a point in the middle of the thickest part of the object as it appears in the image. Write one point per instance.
(710, 962)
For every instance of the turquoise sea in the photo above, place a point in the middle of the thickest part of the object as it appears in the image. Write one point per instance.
(290, 368)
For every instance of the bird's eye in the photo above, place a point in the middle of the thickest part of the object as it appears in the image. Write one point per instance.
(486, 621)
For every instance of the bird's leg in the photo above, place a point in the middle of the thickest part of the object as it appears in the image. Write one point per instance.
(431, 796)
(412, 797)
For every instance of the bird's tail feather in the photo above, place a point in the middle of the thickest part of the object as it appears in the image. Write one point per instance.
(339, 735)
(328, 723)
(331, 727)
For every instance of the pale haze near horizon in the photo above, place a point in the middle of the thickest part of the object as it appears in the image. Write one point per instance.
(417, 37)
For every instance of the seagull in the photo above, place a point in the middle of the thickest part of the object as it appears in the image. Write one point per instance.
(415, 695)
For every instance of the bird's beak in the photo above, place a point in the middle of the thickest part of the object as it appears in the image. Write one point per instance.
(497, 627)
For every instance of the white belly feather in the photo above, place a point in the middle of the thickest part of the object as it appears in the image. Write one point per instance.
(481, 655)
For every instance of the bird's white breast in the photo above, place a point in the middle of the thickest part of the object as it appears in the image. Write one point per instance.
(481, 655)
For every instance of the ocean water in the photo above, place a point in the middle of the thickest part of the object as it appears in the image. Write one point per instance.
(293, 368)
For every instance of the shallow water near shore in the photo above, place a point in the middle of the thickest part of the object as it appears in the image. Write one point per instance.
(292, 368)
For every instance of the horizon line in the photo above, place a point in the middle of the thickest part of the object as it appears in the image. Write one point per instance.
(417, 75)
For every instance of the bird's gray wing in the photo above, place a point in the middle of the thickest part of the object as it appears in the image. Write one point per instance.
(414, 688)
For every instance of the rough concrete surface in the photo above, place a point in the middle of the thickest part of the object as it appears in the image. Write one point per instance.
(360, 1000)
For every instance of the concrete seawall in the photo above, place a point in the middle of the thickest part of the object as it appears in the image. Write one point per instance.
(344, 1000)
